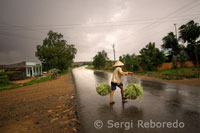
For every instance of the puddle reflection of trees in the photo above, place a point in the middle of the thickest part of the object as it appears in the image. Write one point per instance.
(107, 111)
(191, 120)
(173, 102)
(135, 112)
(101, 77)
(184, 108)
(154, 88)
(128, 80)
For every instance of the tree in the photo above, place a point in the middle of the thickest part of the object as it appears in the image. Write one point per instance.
(182, 58)
(170, 44)
(189, 33)
(193, 50)
(55, 52)
(151, 57)
(99, 60)
(130, 62)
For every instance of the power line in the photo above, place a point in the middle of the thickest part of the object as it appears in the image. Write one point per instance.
(100, 27)
(23, 28)
(19, 36)
(159, 20)
(42, 27)
(182, 9)
(172, 13)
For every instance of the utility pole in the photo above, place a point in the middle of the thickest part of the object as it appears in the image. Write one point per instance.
(176, 32)
(176, 55)
(114, 51)
(196, 54)
(197, 60)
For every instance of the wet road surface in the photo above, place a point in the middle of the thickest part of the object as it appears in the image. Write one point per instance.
(165, 107)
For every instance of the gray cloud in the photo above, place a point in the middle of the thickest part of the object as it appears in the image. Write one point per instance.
(92, 25)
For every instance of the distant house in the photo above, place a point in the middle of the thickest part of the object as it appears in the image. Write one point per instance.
(29, 69)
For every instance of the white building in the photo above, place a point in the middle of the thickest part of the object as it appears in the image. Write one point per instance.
(33, 69)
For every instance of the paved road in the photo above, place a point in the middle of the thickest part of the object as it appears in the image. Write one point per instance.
(178, 105)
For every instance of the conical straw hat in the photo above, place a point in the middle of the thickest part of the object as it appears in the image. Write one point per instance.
(118, 63)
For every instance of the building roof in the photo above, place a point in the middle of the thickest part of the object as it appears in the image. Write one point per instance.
(20, 65)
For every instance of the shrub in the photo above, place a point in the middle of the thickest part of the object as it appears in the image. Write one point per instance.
(99, 60)
(131, 62)
(4, 80)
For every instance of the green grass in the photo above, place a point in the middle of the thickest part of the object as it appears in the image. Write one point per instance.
(17, 85)
(9, 86)
(37, 80)
(44, 79)
(172, 73)
(90, 67)
(168, 72)
(108, 68)
(34, 81)
(66, 71)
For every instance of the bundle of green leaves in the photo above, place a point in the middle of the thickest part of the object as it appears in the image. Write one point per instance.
(133, 91)
(103, 89)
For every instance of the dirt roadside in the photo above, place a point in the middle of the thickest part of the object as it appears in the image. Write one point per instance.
(44, 107)
(192, 81)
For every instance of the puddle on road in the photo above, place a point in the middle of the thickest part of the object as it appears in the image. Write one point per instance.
(161, 102)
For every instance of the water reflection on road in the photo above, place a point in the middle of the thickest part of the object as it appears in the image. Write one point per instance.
(162, 102)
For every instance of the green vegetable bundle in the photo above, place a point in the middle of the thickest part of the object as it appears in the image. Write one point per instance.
(133, 91)
(103, 89)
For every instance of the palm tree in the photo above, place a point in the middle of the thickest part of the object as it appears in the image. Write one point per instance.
(170, 43)
(189, 33)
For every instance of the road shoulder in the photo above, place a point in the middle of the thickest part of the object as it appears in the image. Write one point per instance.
(43, 107)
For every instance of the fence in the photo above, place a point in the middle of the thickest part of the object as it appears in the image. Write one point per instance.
(169, 65)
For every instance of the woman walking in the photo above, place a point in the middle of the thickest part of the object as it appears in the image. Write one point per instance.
(116, 80)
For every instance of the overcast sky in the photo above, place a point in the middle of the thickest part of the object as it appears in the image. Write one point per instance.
(92, 25)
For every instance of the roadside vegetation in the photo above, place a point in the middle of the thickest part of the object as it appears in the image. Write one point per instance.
(171, 74)
(37, 80)
(4, 80)
(5, 84)
(9, 86)
(55, 52)
(56, 57)
(173, 50)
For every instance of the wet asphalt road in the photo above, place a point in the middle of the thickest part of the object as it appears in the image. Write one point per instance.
(179, 105)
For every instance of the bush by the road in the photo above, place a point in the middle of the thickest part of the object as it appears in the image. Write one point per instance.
(151, 57)
(131, 62)
(4, 80)
(99, 60)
